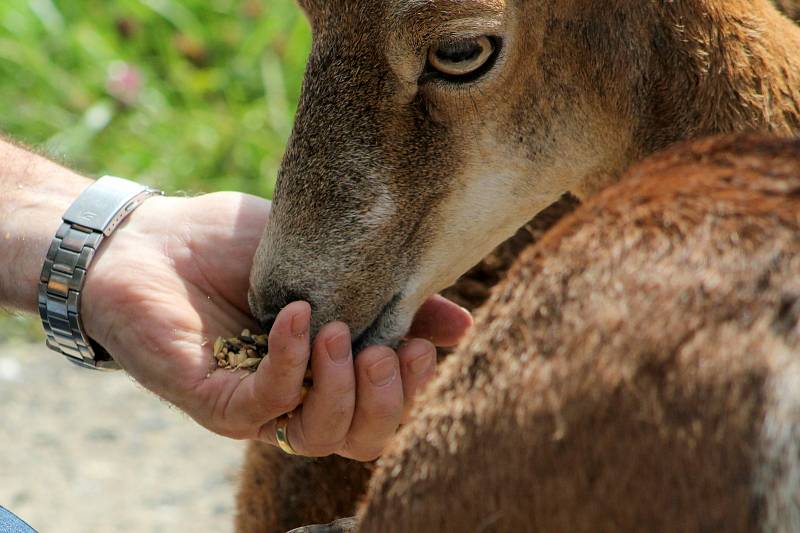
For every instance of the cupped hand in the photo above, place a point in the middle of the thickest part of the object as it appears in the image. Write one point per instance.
(174, 277)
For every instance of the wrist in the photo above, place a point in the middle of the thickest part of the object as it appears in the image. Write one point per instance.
(35, 194)
(137, 245)
(86, 226)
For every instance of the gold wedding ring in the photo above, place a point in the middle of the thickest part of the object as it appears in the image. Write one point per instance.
(282, 435)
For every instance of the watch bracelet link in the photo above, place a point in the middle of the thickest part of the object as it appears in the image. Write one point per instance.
(93, 216)
(63, 275)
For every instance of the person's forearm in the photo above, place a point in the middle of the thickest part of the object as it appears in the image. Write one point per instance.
(34, 194)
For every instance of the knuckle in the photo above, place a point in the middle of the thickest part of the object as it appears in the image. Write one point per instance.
(329, 436)
(296, 358)
(321, 449)
(289, 363)
(384, 412)
(338, 422)
(318, 447)
(285, 403)
(343, 390)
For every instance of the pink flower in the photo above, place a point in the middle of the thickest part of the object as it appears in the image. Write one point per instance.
(124, 82)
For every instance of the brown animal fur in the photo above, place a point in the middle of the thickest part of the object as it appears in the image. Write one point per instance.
(278, 492)
(668, 70)
(638, 369)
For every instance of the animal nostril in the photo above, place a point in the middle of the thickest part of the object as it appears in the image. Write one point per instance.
(268, 305)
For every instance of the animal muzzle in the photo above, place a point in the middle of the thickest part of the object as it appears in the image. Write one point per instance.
(362, 296)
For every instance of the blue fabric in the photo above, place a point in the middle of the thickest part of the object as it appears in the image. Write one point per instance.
(9, 523)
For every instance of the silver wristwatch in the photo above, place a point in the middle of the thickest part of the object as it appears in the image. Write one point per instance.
(93, 217)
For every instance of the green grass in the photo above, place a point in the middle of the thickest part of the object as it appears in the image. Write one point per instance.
(219, 80)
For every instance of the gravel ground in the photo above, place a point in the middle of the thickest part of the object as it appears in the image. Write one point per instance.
(90, 452)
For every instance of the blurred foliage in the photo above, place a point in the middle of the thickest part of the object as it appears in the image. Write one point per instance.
(188, 95)
(20, 328)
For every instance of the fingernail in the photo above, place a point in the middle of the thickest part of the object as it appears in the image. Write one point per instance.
(339, 348)
(422, 355)
(299, 324)
(383, 372)
(421, 364)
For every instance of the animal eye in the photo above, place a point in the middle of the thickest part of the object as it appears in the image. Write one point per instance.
(462, 60)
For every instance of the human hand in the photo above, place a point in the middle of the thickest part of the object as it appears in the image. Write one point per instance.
(175, 276)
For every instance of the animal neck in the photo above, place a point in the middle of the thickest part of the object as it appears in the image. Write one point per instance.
(720, 67)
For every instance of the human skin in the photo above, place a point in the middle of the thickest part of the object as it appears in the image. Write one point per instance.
(174, 276)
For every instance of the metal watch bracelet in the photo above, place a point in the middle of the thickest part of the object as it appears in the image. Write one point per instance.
(92, 217)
